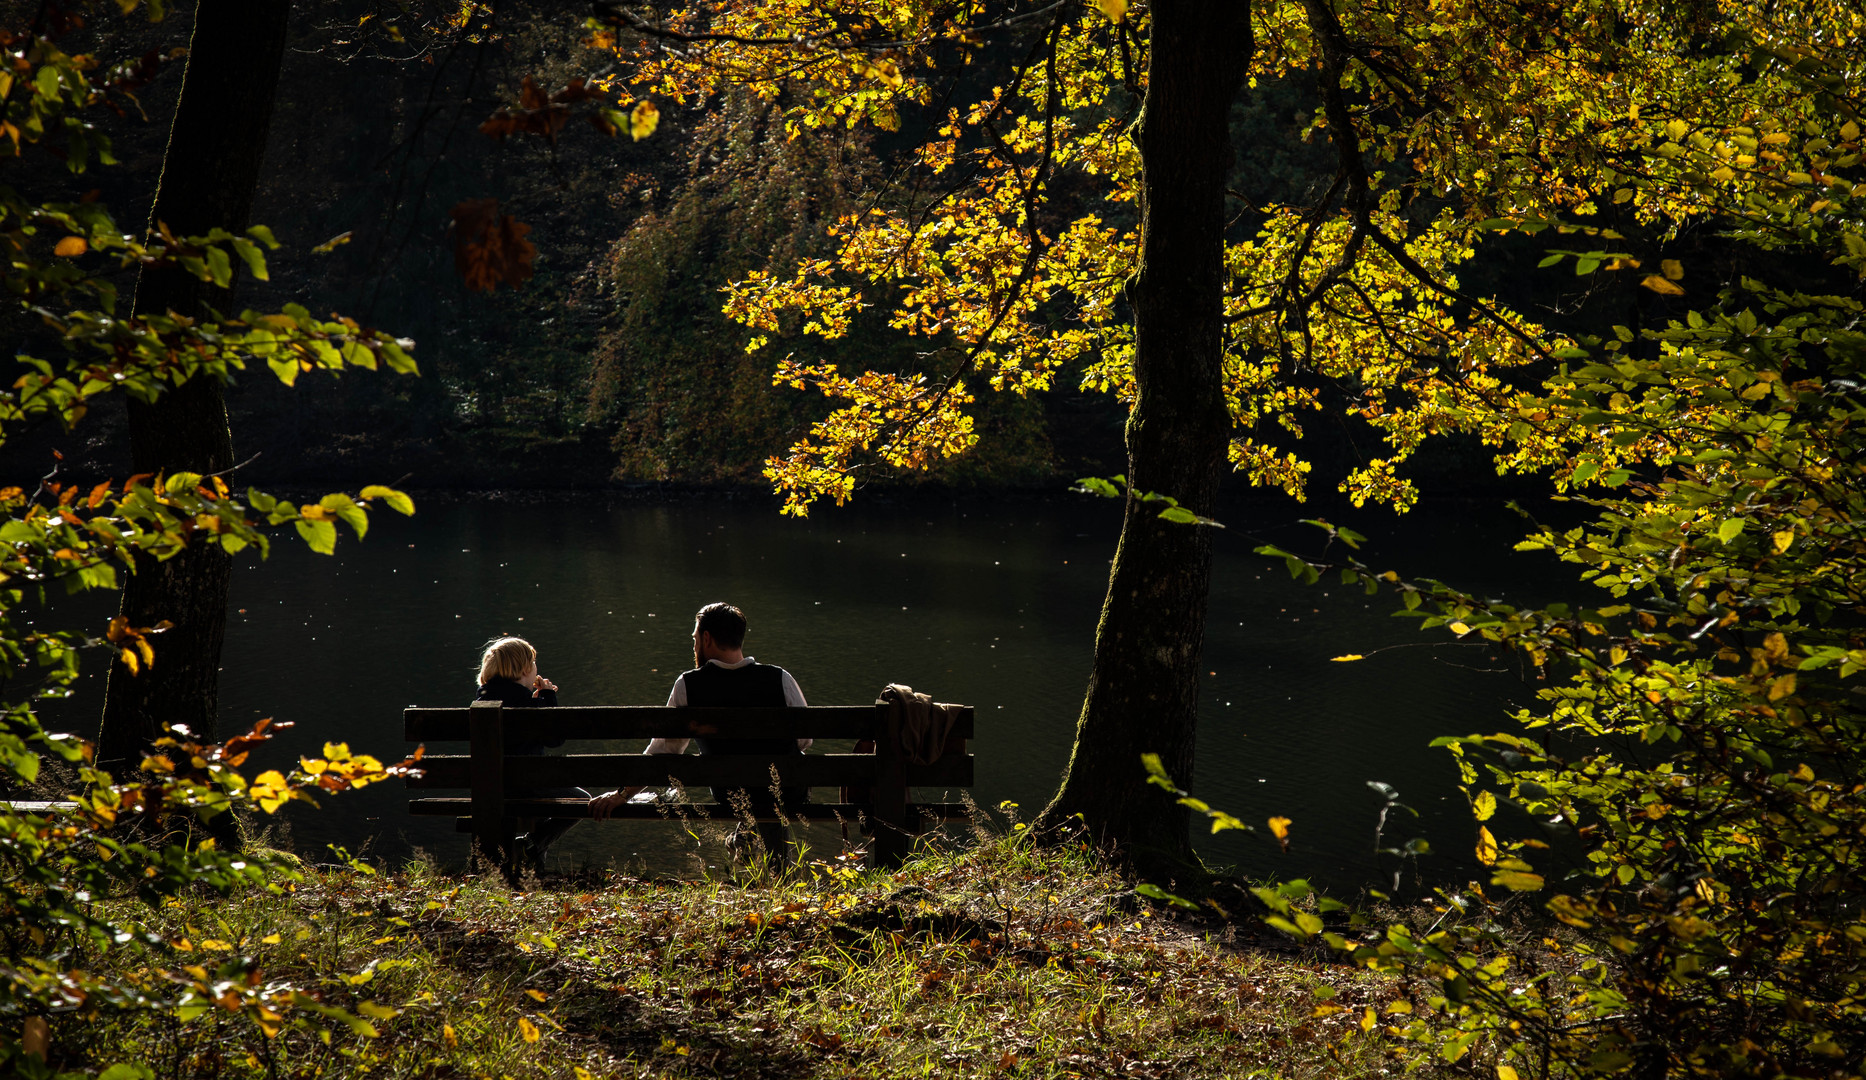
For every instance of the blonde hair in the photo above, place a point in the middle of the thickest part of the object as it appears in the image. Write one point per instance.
(505, 657)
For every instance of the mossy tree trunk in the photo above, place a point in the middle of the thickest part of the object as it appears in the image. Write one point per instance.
(209, 174)
(1144, 686)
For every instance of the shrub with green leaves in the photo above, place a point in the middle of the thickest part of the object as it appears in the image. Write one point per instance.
(150, 835)
(1675, 853)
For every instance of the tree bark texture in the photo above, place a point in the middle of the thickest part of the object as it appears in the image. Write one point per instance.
(1144, 688)
(209, 174)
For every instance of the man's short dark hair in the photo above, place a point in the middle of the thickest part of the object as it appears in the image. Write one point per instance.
(725, 622)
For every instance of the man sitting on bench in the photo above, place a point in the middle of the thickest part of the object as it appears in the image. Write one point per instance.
(723, 676)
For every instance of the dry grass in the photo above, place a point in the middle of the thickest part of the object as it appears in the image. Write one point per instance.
(997, 959)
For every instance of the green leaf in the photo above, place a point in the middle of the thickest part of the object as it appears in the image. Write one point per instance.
(263, 235)
(1731, 529)
(182, 483)
(255, 259)
(1179, 515)
(395, 500)
(1095, 485)
(1455, 1048)
(347, 511)
(1156, 773)
(321, 535)
(1518, 880)
(1154, 892)
(220, 266)
(1286, 926)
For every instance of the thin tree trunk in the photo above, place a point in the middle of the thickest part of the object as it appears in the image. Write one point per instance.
(209, 174)
(1144, 688)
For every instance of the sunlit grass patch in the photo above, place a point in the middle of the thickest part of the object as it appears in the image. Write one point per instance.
(995, 959)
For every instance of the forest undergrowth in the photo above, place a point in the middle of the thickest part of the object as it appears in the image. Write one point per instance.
(996, 958)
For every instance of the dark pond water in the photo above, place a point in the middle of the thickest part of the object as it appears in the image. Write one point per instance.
(988, 603)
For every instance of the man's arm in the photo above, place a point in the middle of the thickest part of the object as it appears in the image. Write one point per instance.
(609, 800)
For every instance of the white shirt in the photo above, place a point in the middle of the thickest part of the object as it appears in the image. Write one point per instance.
(677, 698)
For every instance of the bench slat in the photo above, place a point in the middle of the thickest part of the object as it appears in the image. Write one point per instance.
(659, 721)
(577, 808)
(628, 770)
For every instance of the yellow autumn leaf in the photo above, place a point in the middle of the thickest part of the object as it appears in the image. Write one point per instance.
(1486, 846)
(643, 119)
(1673, 269)
(1518, 880)
(1347, 656)
(888, 72)
(1460, 628)
(1661, 286)
(527, 1029)
(71, 246)
(535, 995)
(1782, 540)
(1115, 10)
(1849, 131)
(1279, 828)
(1504, 1072)
(1484, 806)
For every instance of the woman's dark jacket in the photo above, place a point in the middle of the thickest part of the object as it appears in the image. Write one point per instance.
(511, 695)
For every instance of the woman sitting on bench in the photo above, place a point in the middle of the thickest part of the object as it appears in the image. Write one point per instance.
(508, 674)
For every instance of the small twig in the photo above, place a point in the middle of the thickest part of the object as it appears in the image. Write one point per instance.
(241, 465)
(46, 479)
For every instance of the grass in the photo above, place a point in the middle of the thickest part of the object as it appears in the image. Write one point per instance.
(994, 959)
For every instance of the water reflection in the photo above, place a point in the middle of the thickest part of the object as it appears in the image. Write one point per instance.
(989, 603)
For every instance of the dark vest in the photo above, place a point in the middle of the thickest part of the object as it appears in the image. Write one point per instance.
(753, 686)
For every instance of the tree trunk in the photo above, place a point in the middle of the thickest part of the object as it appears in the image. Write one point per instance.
(209, 174)
(1143, 691)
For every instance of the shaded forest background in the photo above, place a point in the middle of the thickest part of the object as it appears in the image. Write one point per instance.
(613, 365)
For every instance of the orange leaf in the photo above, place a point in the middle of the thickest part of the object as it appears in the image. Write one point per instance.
(490, 248)
(71, 246)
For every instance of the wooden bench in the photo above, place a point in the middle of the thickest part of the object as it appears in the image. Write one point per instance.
(490, 809)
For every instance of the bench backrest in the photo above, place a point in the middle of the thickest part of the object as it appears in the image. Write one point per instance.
(492, 774)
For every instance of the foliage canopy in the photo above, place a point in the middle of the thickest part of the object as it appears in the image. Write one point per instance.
(140, 835)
